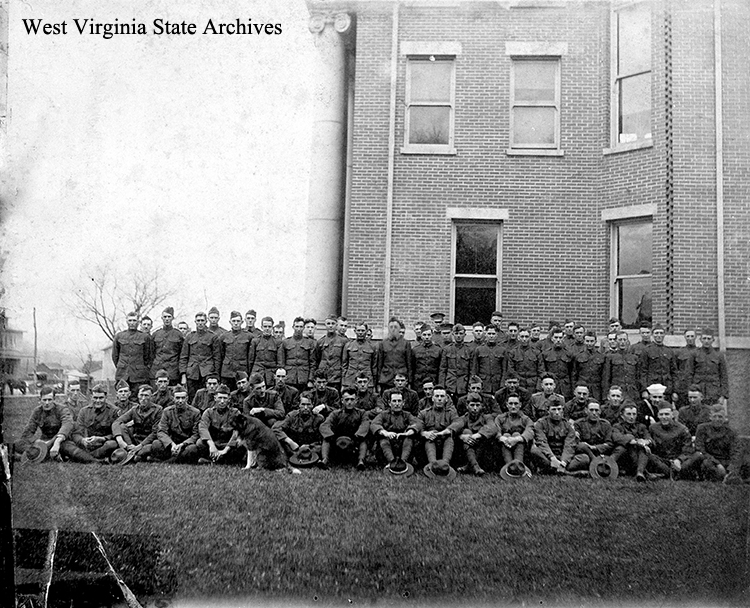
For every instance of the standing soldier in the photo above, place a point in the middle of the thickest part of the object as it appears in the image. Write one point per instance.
(658, 362)
(710, 371)
(622, 368)
(394, 356)
(213, 322)
(588, 366)
(645, 331)
(558, 361)
(297, 357)
(167, 345)
(525, 361)
(235, 351)
(250, 328)
(490, 362)
(200, 356)
(425, 360)
(330, 352)
(455, 365)
(146, 324)
(359, 358)
(132, 354)
(264, 352)
(684, 360)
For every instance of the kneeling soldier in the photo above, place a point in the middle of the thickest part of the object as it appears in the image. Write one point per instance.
(475, 429)
(145, 418)
(93, 431)
(178, 430)
(349, 421)
(395, 429)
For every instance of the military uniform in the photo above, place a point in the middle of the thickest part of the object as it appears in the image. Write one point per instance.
(200, 357)
(710, 373)
(273, 409)
(553, 438)
(235, 356)
(526, 361)
(558, 362)
(216, 425)
(489, 405)
(455, 369)
(395, 422)
(515, 424)
(203, 399)
(588, 366)
(167, 348)
(53, 423)
(490, 365)
(411, 399)
(132, 354)
(630, 456)
(434, 419)
(483, 425)
(684, 362)
(302, 429)
(621, 368)
(673, 442)
(574, 409)
(425, 365)
(143, 430)
(297, 357)
(93, 423)
(501, 398)
(359, 358)
(393, 357)
(330, 357)
(658, 365)
(76, 404)
(264, 357)
(330, 398)
(718, 444)
(178, 424)
(598, 435)
(540, 404)
(691, 417)
(162, 396)
(289, 397)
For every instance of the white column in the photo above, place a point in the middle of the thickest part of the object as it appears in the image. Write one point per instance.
(325, 221)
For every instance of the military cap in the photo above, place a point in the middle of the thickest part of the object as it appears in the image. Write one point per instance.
(656, 389)
(437, 315)
(458, 327)
(344, 442)
(99, 388)
(440, 469)
(223, 388)
(604, 467)
(399, 468)
(240, 376)
(235, 314)
(304, 457)
(121, 384)
(162, 373)
(213, 310)
(168, 311)
(251, 312)
(35, 453)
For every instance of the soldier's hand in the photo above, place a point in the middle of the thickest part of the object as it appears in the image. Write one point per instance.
(54, 452)
(294, 446)
(676, 465)
(319, 408)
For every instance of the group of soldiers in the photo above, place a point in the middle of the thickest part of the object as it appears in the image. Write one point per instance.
(509, 399)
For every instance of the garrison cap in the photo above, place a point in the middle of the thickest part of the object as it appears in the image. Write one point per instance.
(251, 312)
(168, 310)
(240, 376)
(99, 388)
(162, 373)
(223, 388)
(446, 325)
(213, 311)
(234, 314)
(121, 384)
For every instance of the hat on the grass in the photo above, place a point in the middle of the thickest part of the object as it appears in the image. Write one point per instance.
(440, 469)
(399, 468)
(515, 469)
(344, 442)
(118, 455)
(36, 452)
(604, 467)
(304, 457)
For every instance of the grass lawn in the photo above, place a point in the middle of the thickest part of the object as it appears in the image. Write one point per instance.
(329, 537)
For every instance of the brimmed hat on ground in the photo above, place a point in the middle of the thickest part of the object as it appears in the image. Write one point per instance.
(131, 454)
(304, 457)
(35, 453)
(440, 469)
(118, 455)
(344, 442)
(515, 469)
(604, 467)
(399, 468)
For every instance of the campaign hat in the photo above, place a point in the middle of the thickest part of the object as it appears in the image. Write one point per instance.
(515, 469)
(399, 468)
(305, 456)
(604, 467)
(36, 452)
(441, 470)
(344, 442)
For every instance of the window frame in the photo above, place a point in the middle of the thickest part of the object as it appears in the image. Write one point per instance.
(557, 104)
(468, 220)
(614, 245)
(616, 78)
(449, 148)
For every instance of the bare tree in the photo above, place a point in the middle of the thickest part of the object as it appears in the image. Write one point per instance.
(105, 301)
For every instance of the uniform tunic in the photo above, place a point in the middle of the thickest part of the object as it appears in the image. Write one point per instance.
(670, 442)
(555, 438)
(167, 347)
(597, 434)
(716, 441)
(329, 397)
(484, 424)
(360, 357)
(411, 399)
(558, 362)
(526, 361)
(343, 423)
(393, 357)
(145, 423)
(178, 425)
(330, 357)
(200, 355)
(304, 430)
(203, 399)
(95, 423)
(540, 404)
(507, 424)
(132, 354)
(216, 425)
(710, 373)
(691, 417)
(621, 368)
(588, 366)
(501, 397)
(235, 353)
(273, 409)
(264, 357)
(57, 421)
(297, 357)
(490, 365)
(455, 368)
(394, 422)
(425, 364)
(658, 366)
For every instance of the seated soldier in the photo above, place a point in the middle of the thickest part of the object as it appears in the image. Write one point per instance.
(55, 423)
(594, 438)
(367, 400)
(145, 418)
(717, 441)
(215, 432)
(263, 404)
(475, 430)
(428, 388)
(162, 396)
(75, 399)
(475, 388)
(554, 441)
(632, 442)
(576, 408)
(394, 429)
(177, 432)
(237, 397)
(515, 431)
(672, 452)
(613, 404)
(124, 398)
(204, 397)
(324, 399)
(541, 401)
(411, 398)
(288, 394)
(513, 387)
(299, 427)
(695, 412)
(436, 427)
(93, 429)
(649, 406)
(349, 421)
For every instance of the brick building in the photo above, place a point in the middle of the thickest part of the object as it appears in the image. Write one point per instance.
(548, 158)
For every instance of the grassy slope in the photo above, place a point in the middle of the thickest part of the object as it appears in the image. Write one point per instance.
(338, 534)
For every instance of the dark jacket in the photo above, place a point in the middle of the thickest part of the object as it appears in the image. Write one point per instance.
(132, 354)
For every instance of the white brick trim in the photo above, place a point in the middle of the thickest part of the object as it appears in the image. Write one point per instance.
(631, 211)
(476, 213)
(429, 47)
(531, 48)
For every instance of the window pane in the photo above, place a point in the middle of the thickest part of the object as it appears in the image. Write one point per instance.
(431, 81)
(476, 249)
(534, 126)
(634, 248)
(429, 125)
(475, 300)
(635, 108)
(534, 80)
(634, 39)
(635, 301)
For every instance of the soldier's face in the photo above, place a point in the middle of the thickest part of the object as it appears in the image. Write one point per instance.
(629, 415)
(98, 400)
(535, 333)
(491, 334)
(213, 319)
(162, 382)
(695, 398)
(645, 334)
(320, 384)
(446, 333)
(475, 388)
(242, 384)
(665, 416)
(578, 334)
(474, 407)
(361, 332)
(557, 339)
(200, 322)
(123, 394)
(523, 337)
(568, 328)
(429, 389)
(439, 398)
(426, 335)
(278, 333)
(166, 319)
(343, 326)
(144, 396)
(48, 402)
(281, 377)
(594, 411)
(478, 333)
(221, 400)
(362, 384)
(656, 400)
(496, 320)
(266, 327)
(548, 386)
(305, 407)
(615, 397)
(132, 322)
(514, 405)
(659, 336)
(180, 398)
(513, 331)
(399, 381)
(349, 401)
(718, 418)
(690, 338)
(622, 341)
(260, 388)
(615, 327)
(555, 412)
(707, 340)
(236, 323)
(459, 335)
(297, 328)
(512, 384)
(612, 339)
(212, 384)
(331, 325)
(581, 393)
(589, 342)
(146, 325)
(74, 390)
(397, 402)
(250, 320)
(393, 329)
(183, 327)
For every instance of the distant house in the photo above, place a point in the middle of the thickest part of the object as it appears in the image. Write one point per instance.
(107, 371)
(10, 344)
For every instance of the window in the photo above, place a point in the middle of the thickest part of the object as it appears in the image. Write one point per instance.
(476, 271)
(535, 103)
(631, 271)
(430, 99)
(631, 69)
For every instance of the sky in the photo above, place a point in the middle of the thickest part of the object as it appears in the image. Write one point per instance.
(190, 153)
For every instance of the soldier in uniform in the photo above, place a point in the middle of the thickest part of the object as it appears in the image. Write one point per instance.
(145, 418)
(622, 368)
(162, 396)
(250, 328)
(393, 356)
(512, 388)
(645, 331)
(213, 322)
(235, 351)
(411, 398)
(476, 387)
(349, 421)
(204, 397)
(394, 429)
(632, 442)
(132, 354)
(578, 344)
(342, 324)
(200, 356)
(658, 362)
(710, 371)
(613, 404)
(177, 432)
(146, 324)
(263, 404)
(309, 328)
(525, 361)
(546, 398)
(264, 352)
(425, 360)
(75, 400)
(300, 427)
(168, 346)
(297, 357)
(93, 428)
(490, 362)
(330, 352)
(238, 396)
(215, 432)
(684, 359)
(577, 407)
(557, 361)
(672, 452)
(359, 358)
(512, 338)
(367, 400)
(289, 395)
(554, 441)
(695, 412)
(183, 328)
(436, 427)
(515, 431)
(475, 431)
(455, 365)
(124, 398)
(588, 365)
(717, 441)
(594, 438)
(324, 399)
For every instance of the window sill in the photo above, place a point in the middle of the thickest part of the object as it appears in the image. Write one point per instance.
(430, 150)
(636, 145)
(533, 152)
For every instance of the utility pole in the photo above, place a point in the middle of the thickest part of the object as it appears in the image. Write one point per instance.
(36, 362)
